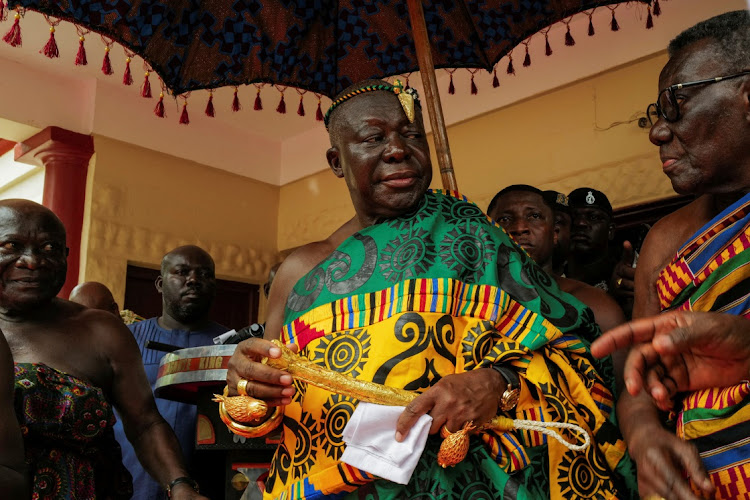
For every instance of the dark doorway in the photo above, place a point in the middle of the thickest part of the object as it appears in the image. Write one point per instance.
(235, 306)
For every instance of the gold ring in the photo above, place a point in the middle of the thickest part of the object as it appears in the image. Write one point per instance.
(618, 282)
(242, 387)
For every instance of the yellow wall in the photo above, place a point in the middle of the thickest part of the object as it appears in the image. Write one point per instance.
(551, 141)
(140, 204)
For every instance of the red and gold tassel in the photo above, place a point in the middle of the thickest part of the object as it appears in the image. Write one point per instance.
(159, 109)
(146, 87)
(3, 11)
(547, 48)
(184, 117)
(591, 26)
(451, 87)
(281, 108)
(50, 48)
(127, 77)
(236, 106)
(657, 8)
(510, 70)
(319, 111)
(210, 104)
(614, 24)
(527, 58)
(569, 38)
(13, 36)
(81, 55)
(495, 80)
(649, 19)
(258, 105)
(106, 63)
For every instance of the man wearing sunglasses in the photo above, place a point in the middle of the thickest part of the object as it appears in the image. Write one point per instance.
(697, 259)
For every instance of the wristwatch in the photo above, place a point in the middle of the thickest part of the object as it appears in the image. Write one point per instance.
(512, 393)
(184, 479)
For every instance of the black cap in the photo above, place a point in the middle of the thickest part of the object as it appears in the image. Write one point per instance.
(557, 200)
(589, 198)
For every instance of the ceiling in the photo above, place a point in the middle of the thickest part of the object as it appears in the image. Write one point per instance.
(274, 148)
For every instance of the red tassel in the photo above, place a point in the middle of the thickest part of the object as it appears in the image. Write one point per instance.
(547, 48)
(258, 103)
(451, 88)
(649, 20)
(3, 11)
(407, 85)
(511, 70)
(13, 36)
(236, 106)
(569, 38)
(301, 108)
(50, 48)
(657, 8)
(474, 89)
(81, 55)
(591, 27)
(527, 59)
(159, 109)
(615, 26)
(127, 78)
(495, 80)
(210, 106)
(106, 63)
(319, 113)
(281, 108)
(184, 118)
(146, 87)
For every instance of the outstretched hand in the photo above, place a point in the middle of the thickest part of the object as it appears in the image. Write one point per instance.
(680, 351)
(455, 400)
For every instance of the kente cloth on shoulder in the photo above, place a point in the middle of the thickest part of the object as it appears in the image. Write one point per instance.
(711, 273)
(438, 291)
(71, 452)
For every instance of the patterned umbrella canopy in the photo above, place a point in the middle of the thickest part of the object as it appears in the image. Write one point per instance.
(318, 45)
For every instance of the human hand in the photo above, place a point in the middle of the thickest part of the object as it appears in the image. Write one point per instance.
(455, 400)
(268, 384)
(680, 351)
(661, 457)
(622, 283)
(184, 491)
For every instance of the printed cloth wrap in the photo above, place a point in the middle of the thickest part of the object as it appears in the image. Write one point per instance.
(71, 452)
(711, 272)
(444, 290)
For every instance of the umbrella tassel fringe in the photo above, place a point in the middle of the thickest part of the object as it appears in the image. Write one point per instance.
(146, 87)
(649, 20)
(127, 77)
(184, 117)
(474, 89)
(3, 11)
(106, 63)
(159, 109)
(510, 70)
(236, 106)
(527, 59)
(50, 48)
(81, 55)
(319, 113)
(569, 41)
(657, 8)
(591, 27)
(13, 36)
(615, 25)
(258, 105)
(301, 107)
(547, 48)
(281, 108)
(451, 87)
(210, 106)
(495, 80)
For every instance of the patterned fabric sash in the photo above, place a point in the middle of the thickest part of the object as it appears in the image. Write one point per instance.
(440, 291)
(711, 273)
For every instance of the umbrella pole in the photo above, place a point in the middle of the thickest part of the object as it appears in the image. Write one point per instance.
(432, 96)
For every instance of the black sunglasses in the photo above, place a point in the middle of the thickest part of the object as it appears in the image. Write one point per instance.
(666, 104)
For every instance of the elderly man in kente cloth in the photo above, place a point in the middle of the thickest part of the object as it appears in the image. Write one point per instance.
(696, 259)
(421, 291)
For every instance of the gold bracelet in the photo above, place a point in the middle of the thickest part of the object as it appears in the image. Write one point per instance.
(246, 429)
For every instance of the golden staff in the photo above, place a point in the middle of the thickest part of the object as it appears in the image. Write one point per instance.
(234, 411)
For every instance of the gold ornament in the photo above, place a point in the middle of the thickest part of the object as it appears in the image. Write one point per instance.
(243, 409)
(406, 99)
(244, 415)
(455, 445)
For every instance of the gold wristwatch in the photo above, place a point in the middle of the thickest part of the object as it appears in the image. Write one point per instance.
(512, 393)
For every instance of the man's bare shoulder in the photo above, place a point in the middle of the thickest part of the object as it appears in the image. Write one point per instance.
(681, 223)
(607, 312)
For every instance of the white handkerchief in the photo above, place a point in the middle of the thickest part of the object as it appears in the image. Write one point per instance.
(370, 437)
